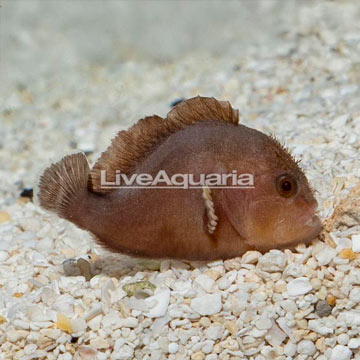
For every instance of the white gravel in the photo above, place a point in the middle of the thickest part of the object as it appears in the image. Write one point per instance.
(306, 91)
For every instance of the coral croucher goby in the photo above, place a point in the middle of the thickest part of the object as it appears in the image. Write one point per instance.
(199, 135)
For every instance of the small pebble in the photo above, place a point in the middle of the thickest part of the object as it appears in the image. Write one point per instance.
(323, 308)
(173, 348)
(158, 303)
(354, 343)
(355, 243)
(299, 286)
(272, 261)
(306, 347)
(4, 217)
(64, 323)
(340, 352)
(27, 193)
(343, 339)
(4, 255)
(207, 304)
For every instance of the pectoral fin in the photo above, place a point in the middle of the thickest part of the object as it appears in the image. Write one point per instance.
(234, 207)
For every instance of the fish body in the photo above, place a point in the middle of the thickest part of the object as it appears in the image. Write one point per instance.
(199, 136)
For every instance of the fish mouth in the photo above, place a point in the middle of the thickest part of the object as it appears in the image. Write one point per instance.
(310, 229)
(314, 227)
(313, 221)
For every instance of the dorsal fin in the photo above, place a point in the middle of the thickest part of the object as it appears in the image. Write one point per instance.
(129, 147)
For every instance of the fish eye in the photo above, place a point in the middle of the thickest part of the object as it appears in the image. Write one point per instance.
(286, 185)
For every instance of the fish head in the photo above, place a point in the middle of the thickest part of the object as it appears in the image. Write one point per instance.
(281, 212)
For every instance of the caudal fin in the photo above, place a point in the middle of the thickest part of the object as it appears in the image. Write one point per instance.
(63, 182)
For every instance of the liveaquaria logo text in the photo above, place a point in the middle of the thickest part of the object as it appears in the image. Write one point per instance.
(183, 181)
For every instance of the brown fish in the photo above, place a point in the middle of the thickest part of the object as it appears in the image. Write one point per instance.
(198, 136)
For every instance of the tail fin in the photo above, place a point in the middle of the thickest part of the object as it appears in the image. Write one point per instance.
(63, 182)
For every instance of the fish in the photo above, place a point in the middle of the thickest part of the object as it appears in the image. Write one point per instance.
(271, 205)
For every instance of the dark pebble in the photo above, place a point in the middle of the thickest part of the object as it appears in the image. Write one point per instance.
(323, 308)
(74, 340)
(27, 193)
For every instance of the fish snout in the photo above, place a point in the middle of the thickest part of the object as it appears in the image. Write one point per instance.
(313, 221)
(310, 225)
(308, 213)
(313, 206)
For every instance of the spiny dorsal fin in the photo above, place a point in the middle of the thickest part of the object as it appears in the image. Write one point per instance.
(200, 108)
(129, 147)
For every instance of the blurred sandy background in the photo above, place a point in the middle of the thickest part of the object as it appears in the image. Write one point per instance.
(38, 37)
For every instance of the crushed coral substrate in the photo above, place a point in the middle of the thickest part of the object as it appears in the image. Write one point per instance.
(63, 297)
